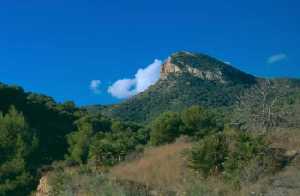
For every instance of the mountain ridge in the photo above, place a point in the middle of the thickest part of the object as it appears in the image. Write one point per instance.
(186, 79)
(202, 66)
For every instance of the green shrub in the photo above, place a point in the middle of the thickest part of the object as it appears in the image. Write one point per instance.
(165, 128)
(103, 151)
(209, 154)
(17, 146)
(107, 149)
(103, 142)
(200, 122)
(79, 143)
(246, 152)
(238, 157)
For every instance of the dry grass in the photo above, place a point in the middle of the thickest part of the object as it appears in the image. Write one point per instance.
(161, 167)
(288, 139)
(165, 168)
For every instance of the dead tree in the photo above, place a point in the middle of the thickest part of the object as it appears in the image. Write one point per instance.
(258, 108)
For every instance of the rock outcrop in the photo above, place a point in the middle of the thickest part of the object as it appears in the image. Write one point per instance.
(43, 188)
(169, 68)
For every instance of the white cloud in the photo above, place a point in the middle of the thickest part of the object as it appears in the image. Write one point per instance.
(144, 78)
(276, 58)
(147, 76)
(123, 88)
(94, 86)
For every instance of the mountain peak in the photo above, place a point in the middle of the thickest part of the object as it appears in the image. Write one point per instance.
(196, 65)
(202, 66)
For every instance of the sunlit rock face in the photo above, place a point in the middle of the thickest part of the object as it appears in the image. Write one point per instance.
(169, 68)
(206, 75)
(43, 188)
(202, 66)
(175, 65)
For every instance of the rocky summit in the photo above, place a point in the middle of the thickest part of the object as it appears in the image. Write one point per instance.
(186, 79)
(204, 67)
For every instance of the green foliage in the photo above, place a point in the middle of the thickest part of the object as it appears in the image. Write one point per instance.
(104, 152)
(230, 155)
(46, 121)
(174, 94)
(165, 128)
(103, 142)
(17, 145)
(79, 142)
(194, 121)
(51, 121)
(209, 154)
(107, 149)
(200, 122)
(244, 149)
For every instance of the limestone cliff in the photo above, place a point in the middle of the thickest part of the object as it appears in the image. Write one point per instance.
(171, 66)
(168, 68)
(43, 188)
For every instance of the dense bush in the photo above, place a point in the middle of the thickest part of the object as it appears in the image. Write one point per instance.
(208, 155)
(103, 142)
(107, 149)
(200, 122)
(195, 121)
(165, 128)
(44, 120)
(229, 155)
(79, 143)
(17, 146)
(51, 121)
(245, 151)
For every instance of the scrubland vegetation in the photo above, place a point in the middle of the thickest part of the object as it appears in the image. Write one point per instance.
(247, 147)
(194, 152)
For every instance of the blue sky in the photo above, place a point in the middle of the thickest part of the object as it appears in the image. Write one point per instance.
(58, 47)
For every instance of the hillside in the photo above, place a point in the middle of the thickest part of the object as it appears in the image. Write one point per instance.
(200, 107)
(188, 79)
(164, 170)
(33, 128)
(50, 120)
